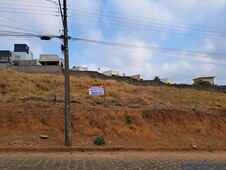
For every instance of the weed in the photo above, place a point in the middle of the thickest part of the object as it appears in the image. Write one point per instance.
(39, 85)
(129, 120)
(99, 141)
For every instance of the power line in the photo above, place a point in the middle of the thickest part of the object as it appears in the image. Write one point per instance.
(22, 24)
(33, 13)
(28, 9)
(135, 21)
(135, 46)
(23, 1)
(140, 19)
(129, 59)
(139, 24)
(161, 51)
(150, 28)
(17, 28)
(25, 5)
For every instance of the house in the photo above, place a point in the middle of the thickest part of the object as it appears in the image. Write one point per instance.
(51, 60)
(21, 52)
(209, 79)
(5, 57)
(138, 77)
(111, 73)
(44, 60)
(166, 80)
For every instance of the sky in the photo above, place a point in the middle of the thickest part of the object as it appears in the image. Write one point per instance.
(175, 39)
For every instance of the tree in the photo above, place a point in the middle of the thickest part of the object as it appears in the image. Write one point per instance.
(202, 83)
(156, 78)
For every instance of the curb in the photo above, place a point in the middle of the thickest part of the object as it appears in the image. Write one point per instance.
(49, 150)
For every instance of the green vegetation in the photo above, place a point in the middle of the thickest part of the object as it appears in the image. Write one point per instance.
(39, 85)
(99, 141)
(202, 83)
(156, 78)
(128, 120)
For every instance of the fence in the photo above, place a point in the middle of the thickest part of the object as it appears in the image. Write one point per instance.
(153, 97)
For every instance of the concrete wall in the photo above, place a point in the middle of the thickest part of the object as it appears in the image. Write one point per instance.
(124, 79)
(94, 74)
(21, 55)
(215, 88)
(37, 69)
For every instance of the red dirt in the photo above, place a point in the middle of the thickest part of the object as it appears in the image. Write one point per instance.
(21, 124)
(27, 111)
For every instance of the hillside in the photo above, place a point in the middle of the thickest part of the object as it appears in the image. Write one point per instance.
(134, 116)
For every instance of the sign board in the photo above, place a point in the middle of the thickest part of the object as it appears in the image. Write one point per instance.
(96, 90)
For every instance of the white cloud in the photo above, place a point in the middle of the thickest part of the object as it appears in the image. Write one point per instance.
(152, 13)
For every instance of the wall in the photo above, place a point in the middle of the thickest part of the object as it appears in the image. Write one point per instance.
(23, 56)
(37, 69)
(215, 88)
(94, 74)
(124, 79)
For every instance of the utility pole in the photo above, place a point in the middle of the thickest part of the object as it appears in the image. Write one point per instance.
(68, 141)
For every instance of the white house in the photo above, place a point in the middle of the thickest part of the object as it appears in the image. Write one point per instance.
(111, 73)
(138, 77)
(209, 79)
(21, 52)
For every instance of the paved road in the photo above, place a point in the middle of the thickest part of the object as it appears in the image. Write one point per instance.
(113, 160)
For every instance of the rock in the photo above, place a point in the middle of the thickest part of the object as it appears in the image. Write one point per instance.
(110, 142)
(194, 146)
(126, 139)
(44, 136)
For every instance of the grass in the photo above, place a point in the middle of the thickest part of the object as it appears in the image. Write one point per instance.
(19, 86)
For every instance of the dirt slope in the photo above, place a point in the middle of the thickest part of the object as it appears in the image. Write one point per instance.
(27, 110)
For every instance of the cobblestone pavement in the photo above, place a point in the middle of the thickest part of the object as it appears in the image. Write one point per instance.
(113, 160)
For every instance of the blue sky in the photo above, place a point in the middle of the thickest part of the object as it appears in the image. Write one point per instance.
(188, 25)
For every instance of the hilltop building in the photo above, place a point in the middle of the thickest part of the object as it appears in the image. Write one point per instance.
(138, 77)
(209, 79)
(166, 80)
(5, 57)
(111, 73)
(21, 52)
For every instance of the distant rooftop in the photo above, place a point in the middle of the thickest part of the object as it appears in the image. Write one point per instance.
(202, 77)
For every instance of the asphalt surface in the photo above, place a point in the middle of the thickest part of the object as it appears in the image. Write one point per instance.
(113, 160)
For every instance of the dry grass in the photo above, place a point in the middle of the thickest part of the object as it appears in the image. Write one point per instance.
(27, 110)
(21, 87)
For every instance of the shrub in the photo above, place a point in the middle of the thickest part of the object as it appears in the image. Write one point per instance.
(202, 83)
(99, 141)
(128, 120)
(39, 85)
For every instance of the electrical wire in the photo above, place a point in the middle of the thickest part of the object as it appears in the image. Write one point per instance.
(150, 28)
(17, 28)
(25, 5)
(140, 19)
(129, 59)
(184, 58)
(25, 26)
(135, 46)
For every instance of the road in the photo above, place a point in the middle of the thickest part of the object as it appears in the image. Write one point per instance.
(113, 160)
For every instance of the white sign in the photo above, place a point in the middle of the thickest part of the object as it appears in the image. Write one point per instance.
(96, 90)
